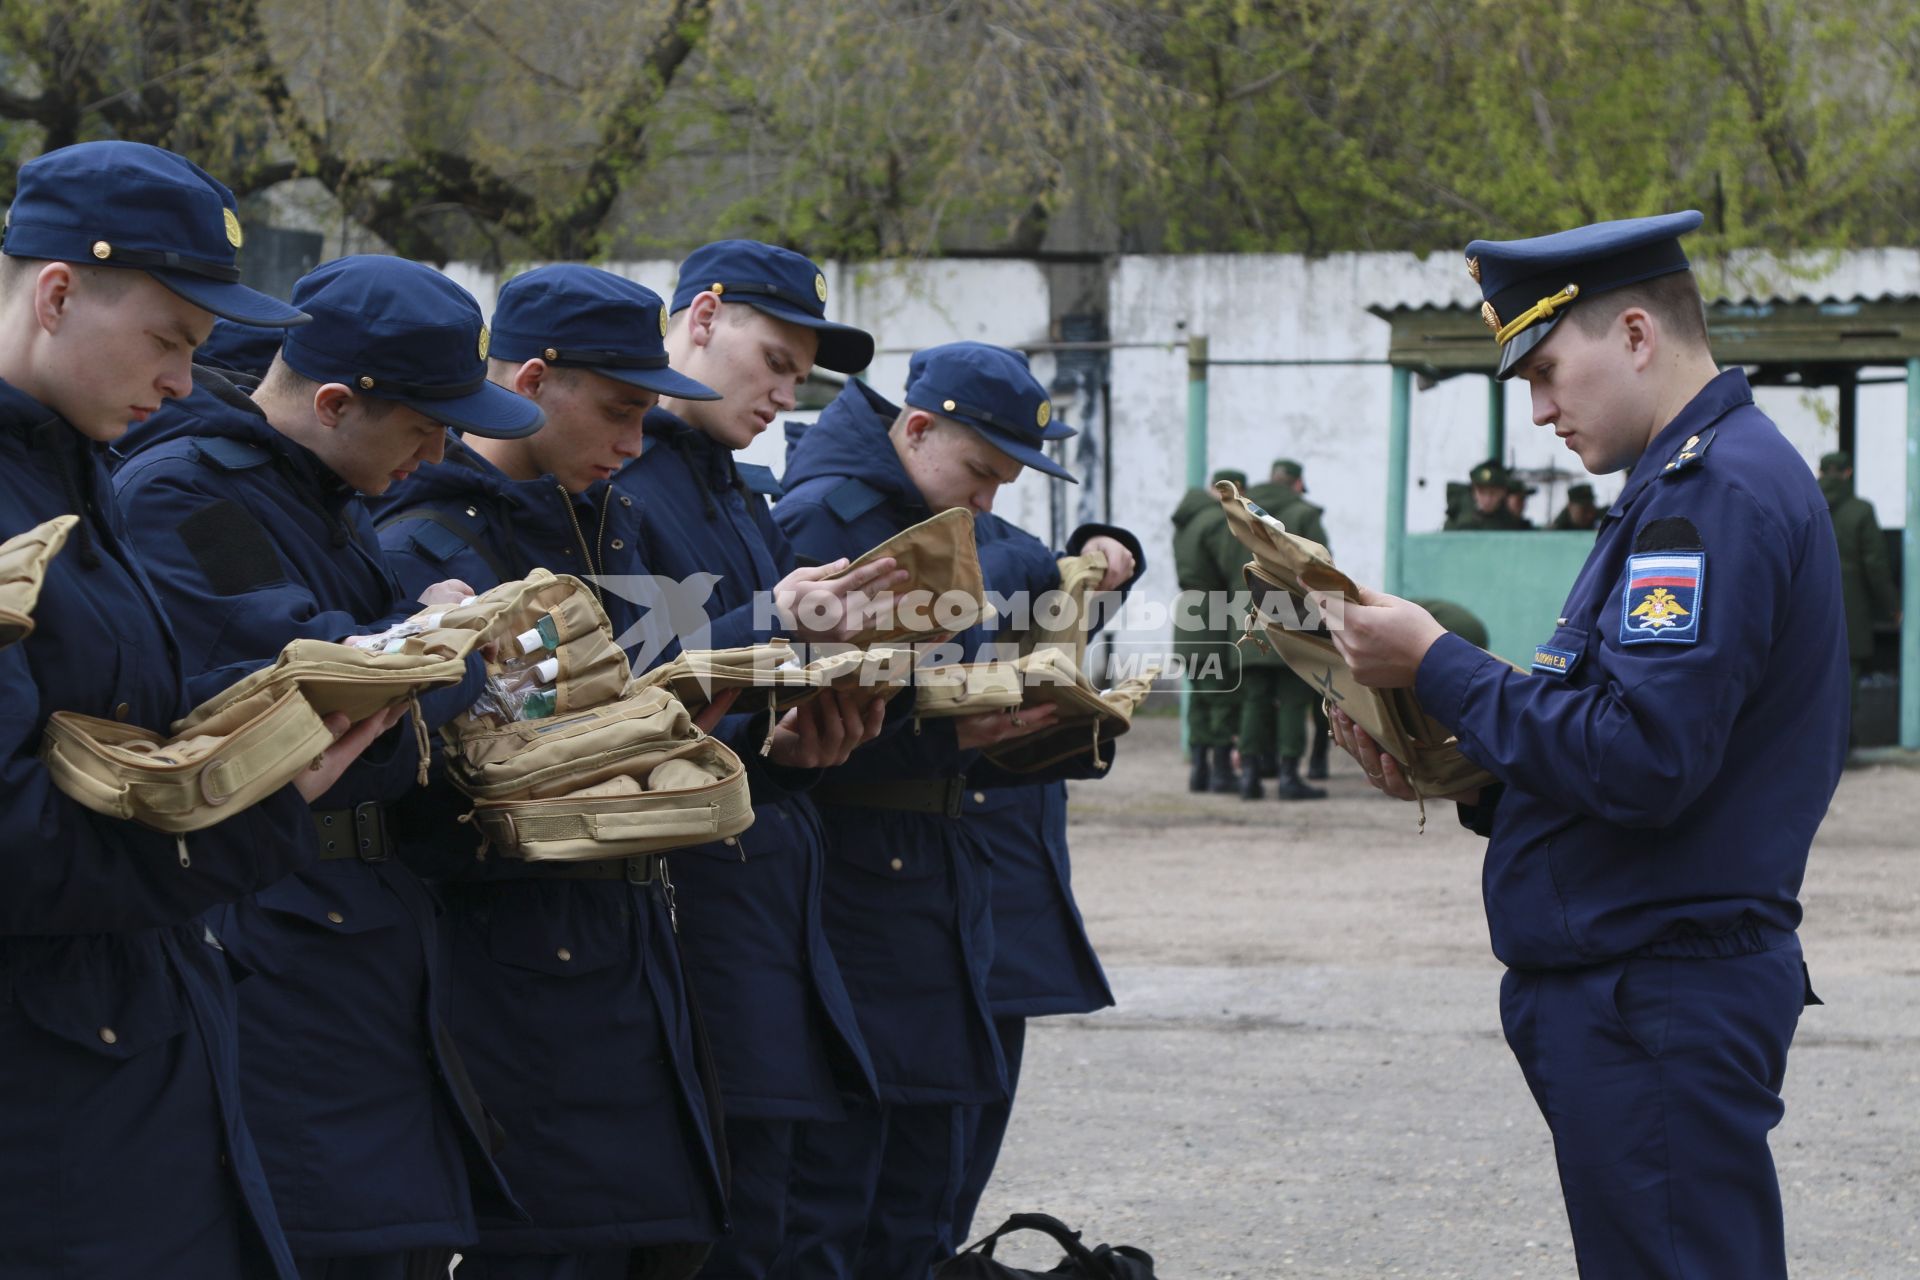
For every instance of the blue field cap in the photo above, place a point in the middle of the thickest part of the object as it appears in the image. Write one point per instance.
(583, 317)
(780, 282)
(240, 348)
(992, 390)
(398, 330)
(126, 204)
(1527, 285)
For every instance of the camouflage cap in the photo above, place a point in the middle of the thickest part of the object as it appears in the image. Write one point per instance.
(1230, 473)
(1838, 460)
(1580, 493)
(1489, 472)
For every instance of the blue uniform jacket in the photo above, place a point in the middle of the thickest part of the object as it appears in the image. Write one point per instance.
(907, 894)
(786, 1043)
(122, 1147)
(1667, 763)
(1043, 962)
(570, 1002)
(369, 1140)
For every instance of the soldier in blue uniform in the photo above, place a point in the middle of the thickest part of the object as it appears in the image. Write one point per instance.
(1662, 770)
(575, 1004)
(122, 1146)
(906, 891)
(749, 319)
(248, 513)
(1043, 962)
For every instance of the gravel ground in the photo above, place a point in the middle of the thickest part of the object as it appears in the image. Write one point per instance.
(1305, 1074)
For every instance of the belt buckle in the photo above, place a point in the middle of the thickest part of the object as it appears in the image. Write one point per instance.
(370, 831)
(955, 797)
(643, 868)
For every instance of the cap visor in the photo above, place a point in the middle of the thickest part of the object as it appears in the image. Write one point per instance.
(1026, 455)
(843, 348)
(491, 411)
(667, 382)
(1523, 342)
(233, 302)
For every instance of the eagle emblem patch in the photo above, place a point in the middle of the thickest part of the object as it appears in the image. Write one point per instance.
(1663, 598)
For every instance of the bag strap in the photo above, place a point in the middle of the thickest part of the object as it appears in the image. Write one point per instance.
(470, 537)
(1063, 1235)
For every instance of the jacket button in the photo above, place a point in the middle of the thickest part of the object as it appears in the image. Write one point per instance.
(472, 512)
(336, 917)
(564, 954)
(109, 1036)
(625, 501)
(617, 545)
(896, 864)
(979, 797)
(122, 712)
(731, 840)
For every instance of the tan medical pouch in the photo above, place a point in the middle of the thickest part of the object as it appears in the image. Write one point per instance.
(943, 568)
(1285, 564)
(772, 676)
(618, 770)
(23, 567)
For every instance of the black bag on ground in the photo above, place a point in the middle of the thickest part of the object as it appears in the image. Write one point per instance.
(1103, 1262)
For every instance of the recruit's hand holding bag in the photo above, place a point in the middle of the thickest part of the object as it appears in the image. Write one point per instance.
(944, 593)
(617, 770)
(23, 567)
(1284, 568)
(252, 738)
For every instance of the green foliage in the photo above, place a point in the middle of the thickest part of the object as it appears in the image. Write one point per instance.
(862, 128)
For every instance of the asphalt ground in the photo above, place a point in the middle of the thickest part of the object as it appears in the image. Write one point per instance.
(1305, 1074)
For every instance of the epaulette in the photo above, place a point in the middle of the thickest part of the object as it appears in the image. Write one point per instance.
(229, 454)
(1690, 453)
(853, 498)
(760, 480)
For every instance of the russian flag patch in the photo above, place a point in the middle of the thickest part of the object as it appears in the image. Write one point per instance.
(1662, 601)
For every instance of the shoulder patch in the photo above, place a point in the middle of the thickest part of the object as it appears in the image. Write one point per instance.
(232, 548)
(224, 453)
(1690, 452)
(760, 480)
(1670, 533)
(853, 498)
(1663, 599)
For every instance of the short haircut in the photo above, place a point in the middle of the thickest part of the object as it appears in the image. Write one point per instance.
(1672, 299)
(108, 282)
(282, 380)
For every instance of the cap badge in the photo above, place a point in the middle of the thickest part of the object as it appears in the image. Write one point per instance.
(663, 322)
(483, 342)
(819, 286)
(1044, 414)
(1473, 269)
(234, 236)
(1492, 317)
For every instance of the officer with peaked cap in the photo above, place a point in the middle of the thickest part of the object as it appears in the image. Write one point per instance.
(906, 892)
(618, 1162)
(1662, 771)
(1210, 657)
(1580, 511)
(126, 1152)
(750, 320)
(248, 513)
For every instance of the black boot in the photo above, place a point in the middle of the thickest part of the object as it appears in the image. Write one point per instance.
(1269, 765)
(1290, 787)
(1225, 781)
(1201, 774)
(1250, 788)
(1317, 757)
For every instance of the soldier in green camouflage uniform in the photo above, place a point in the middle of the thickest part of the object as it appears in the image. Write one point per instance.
(1866, 579)
(1488, 510)
(1213, 697)
(1275, 704)
(1581, 512)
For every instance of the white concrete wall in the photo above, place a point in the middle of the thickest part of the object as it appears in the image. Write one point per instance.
(1333, 418)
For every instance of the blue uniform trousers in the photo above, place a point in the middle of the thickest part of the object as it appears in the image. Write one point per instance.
(416, 1264)
(592, 1264)
(875, 1195)
(760, 1153)
(1660, 1079)
(985, 1130)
